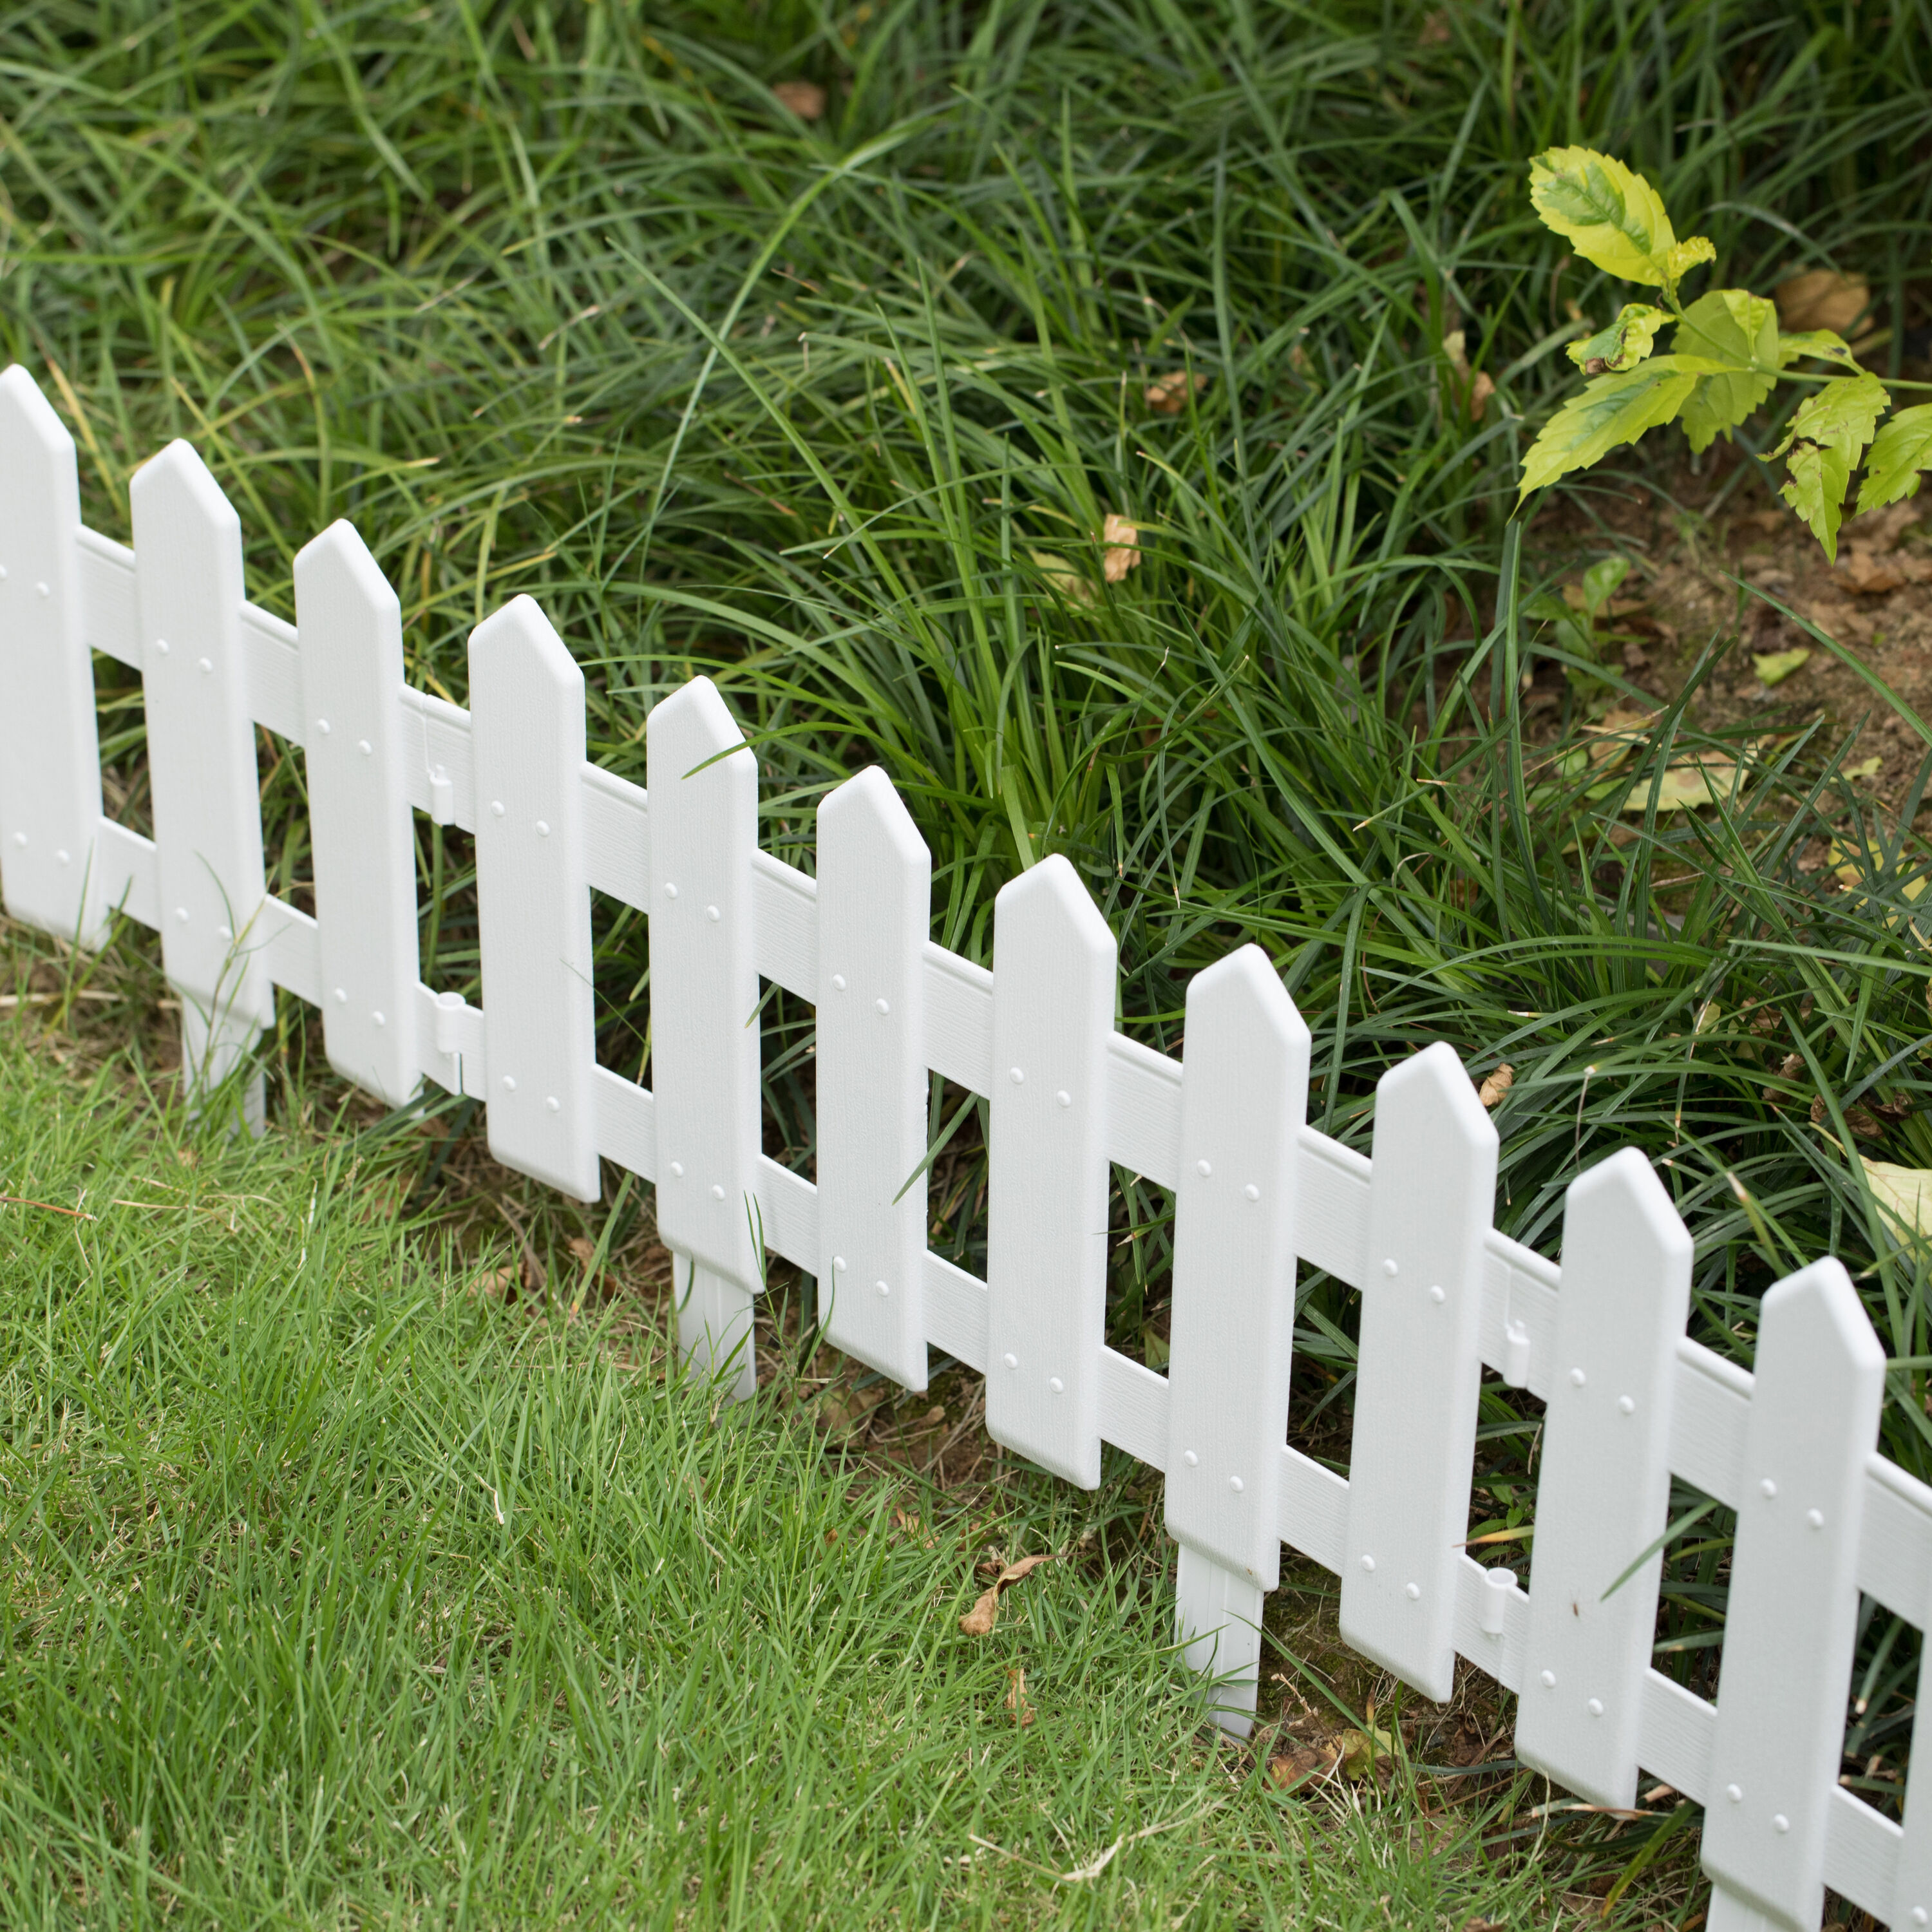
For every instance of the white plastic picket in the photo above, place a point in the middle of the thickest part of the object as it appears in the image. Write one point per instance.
(703, 790)
(201, 762)
(532, 898)
(874, 904)
(351, 627)
(50, 753)
(1603, 1491)
(1820, 1516)
(1243, 1095)
(1911, 1882)
(1047, 1173)
(1791, 1614)
(1432, 1193)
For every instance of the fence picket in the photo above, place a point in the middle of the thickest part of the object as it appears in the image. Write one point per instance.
(874, 894)
(201, 763)
(1912, 1879)
(1046, 1187)
(49, 753)
(1791, 1618)
(704, 805)
(1244, 1095)
(350, 625)
(532, 900)
(1604, 1492)
(1432, 1190)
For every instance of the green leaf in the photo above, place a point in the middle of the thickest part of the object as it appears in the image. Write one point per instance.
(1609, 213)
(1739, 329)
(1774, 667)
(1601, 582)
(1612, 410)
(1623, 345)
(1825, 345)
(1899, 452)
(1826, 437)
(1685, 256)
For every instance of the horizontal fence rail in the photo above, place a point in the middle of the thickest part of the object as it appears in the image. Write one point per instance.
(1630, 1400)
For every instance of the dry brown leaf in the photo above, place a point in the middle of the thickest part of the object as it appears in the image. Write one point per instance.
(1471, 393)
(1485, 1925)
(1296, 1767)
(805, 98)
(1838, 620)
(1168, 394)
(495, 1282)
(978, 1622)
(1498, 1084)
(1122, 540)
(1024, 1713)
(1820, 299)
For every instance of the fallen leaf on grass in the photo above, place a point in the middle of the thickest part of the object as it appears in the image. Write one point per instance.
(1484, 1925)
(1122, 540)
(1865, 768)
(1296, 1767)
(1497, 1084)
(978, 1622)
(1774, 667)
(1693, 782)
(1903, 1194)
(805, 98)
(1362, 1749)
(1820, 299)
(1168, 395)
(1024, 1713)
(1469, 391)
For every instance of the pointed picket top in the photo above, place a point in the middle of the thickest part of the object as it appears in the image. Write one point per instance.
(1054, 964)
(49, 753)
(1791, 1617)
(1603, 1487)
(705, 1070)
(349, 625)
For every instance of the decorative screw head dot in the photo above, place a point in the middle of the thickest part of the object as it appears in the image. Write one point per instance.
(717, 1192)
(1058, 1386)
(1018, 1077)
(553, 1103)
(1193, 1461)
(883, 1005)
(1625, 1406)
(222, 932)
(1011, 1361)
(543, 828)
(1920, 1916)
(1734, 1793)
(884, 1290)
(1369, 1565)
(43, 589)
(1767, 1489)
(1065, 1098)
(1549, 1680)
(838, 1264)
(61, 856)
(1578, 1378)
(1436, 1294)
(363, 745)
(1816, 1518)
(378, 1019)
(205, 665)
(1390, 1268)
(677, 1170)
(1204, 1168)
(838, 982)
(20, 839)
(1781, 1822)
(341, 996)
(161, 650)
(3, 573)
(1235, 1483)
(712, 913)
(181, 913)
(322, 725)
(495, 808)
(670, 891)
(509, 1083)
(1595, 1707)
(1251, 1192)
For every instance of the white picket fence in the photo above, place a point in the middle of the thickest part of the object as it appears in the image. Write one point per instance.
(1629, 1399)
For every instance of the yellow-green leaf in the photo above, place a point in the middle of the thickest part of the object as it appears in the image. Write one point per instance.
(1774, 667)
(1739, 329)
(1685, 787)
(1823, 345)
(1623, 345)
(1826, 437)
(1686, 256)
(1609, 213)
(1899, 452)
(1904, 1193)
(1612, 410)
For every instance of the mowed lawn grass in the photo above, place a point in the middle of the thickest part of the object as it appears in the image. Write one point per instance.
(338, 1594)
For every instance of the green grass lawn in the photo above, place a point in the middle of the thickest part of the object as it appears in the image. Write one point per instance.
(565, 299)
(338, 1593)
